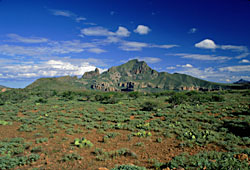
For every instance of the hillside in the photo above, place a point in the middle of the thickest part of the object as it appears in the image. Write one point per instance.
(132, 76)
(1, 87)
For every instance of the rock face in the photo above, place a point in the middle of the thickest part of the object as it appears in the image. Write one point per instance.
(91, 74)
(138, 76)
(104, 86)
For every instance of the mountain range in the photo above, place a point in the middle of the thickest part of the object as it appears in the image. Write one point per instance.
(132, 76)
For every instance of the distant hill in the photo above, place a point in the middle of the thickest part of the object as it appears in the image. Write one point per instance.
(1, 87)
(241, 81)
(132, 76)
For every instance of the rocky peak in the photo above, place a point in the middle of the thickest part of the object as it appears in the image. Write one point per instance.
(91, 74)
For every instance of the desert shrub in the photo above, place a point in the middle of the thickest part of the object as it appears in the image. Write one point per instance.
(68, 95)
(12, 153)
(208, 160)
(134, 95)
(41, 140)
(36, 149)
(128, 167)
(82, 143)
(2, 122)
(41, 100)
(142, 133)
(149, 106)
(71, 157)
(177, 99)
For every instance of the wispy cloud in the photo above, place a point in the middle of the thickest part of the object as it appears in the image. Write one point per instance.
(238, 68)
(200, 56)
(132, 46)
(150, 60)
(63, 13)
(31, 40)
(234, 48)
(242, 55)
(138, 46)
(46, 49)
(96, 50)
(192, 30)
(66, 13)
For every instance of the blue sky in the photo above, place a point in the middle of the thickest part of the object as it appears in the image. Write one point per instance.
(208, 39)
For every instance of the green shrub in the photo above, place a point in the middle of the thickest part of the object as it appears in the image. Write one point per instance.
(149, 106)
(82, 143)
(71, 157)
(177, 98)
(41, 140)
(208, 160)
(128, 167)
(41, 100)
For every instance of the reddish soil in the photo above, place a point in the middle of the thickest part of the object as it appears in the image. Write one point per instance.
(101, 109)
(56, 148)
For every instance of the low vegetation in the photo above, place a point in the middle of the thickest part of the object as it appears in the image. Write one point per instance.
(50, 129)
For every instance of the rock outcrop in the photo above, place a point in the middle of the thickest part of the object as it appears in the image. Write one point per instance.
(91, 74)
(104, 86)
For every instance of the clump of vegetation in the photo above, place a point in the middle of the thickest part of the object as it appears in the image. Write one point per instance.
(209, 160)
(128, 167)
(41, 140)
(149, 106)
(71, 157)
(101, 155)
(142, 133)
(83, 143)
(12, 153)
(2, 122)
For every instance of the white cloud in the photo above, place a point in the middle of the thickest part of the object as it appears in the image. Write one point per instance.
(17, 38)
(185, 66)
(112, 12)
(96, 50)
(100, 31)
(239, 68)
(96, 31)
(207, 44)
(210, 44)
(244, 61)
(200, 56)
(122, 32)
(50, 68)
(142, 29)
(192, 30)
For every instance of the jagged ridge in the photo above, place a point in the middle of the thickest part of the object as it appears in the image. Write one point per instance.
(133, 75)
